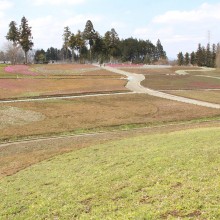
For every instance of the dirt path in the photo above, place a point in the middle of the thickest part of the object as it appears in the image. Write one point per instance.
(64, 97)
(134, 84)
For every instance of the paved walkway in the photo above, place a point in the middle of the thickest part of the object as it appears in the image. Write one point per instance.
(134, 84)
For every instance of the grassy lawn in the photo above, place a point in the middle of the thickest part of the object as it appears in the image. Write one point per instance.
(158, 71)
(81, 114)
(215, 73)
(208, 96)
(162, 176)
(169, 82)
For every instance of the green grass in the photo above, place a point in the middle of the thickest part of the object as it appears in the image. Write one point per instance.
(172, 176)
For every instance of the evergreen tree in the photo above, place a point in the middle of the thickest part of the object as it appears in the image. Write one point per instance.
(80, 44)
(13, 35)
(186, 59)
(66, 36)
(180, 59)
(213, 55)
(107, 43)
(52, 54)
(114, 43)
(159, 53)
(90, 35)
(193, 58)
(99, 48)
(208, 53)
(72, 44)
(217, 60)
(200, 56)
(25, 37)
(40, 56)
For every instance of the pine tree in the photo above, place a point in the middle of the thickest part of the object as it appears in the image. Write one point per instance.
(208, 56)
(193, 58)
(72, 44)
(89, 34)
(213, 55)
(107, 42)
(80, 43)
(200, 55)
(13, 35)
(25, 37)
(186, 59)
(66, 36)
(160, 53)
(217, 60)
(114, 41)
(180, 59)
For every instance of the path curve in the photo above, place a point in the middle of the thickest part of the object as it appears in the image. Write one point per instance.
(134, 84)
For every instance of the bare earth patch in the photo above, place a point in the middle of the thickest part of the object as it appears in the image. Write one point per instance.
(13, 116)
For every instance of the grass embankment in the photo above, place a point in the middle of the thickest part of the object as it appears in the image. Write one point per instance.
(174, 175)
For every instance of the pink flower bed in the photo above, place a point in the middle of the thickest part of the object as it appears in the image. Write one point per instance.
(120, 65)
(22, 69)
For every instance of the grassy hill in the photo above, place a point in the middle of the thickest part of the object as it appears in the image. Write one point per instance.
(174, 175)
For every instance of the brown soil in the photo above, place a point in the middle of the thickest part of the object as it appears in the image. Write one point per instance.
(104, 111)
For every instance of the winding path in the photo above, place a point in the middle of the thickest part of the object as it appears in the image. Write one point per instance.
(134, 84)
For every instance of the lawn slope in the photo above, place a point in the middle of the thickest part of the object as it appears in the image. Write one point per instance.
(174, 175)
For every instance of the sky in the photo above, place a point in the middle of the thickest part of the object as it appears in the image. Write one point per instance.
(180, 25)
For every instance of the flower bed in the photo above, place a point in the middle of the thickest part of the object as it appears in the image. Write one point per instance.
(20, 69)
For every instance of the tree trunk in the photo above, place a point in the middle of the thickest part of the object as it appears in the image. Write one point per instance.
(25, 54)
(73, 55)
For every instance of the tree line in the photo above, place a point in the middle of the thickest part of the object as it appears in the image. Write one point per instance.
(208, 56)
(83, 46)
(89, 46)
(20, 38)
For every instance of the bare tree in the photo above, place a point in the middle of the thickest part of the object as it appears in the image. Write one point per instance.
(2, 56)
(13, 53)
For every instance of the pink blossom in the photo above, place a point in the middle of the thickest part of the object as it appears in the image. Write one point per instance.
(20, 69)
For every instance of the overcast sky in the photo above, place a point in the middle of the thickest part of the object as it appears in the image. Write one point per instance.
(180, 25)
